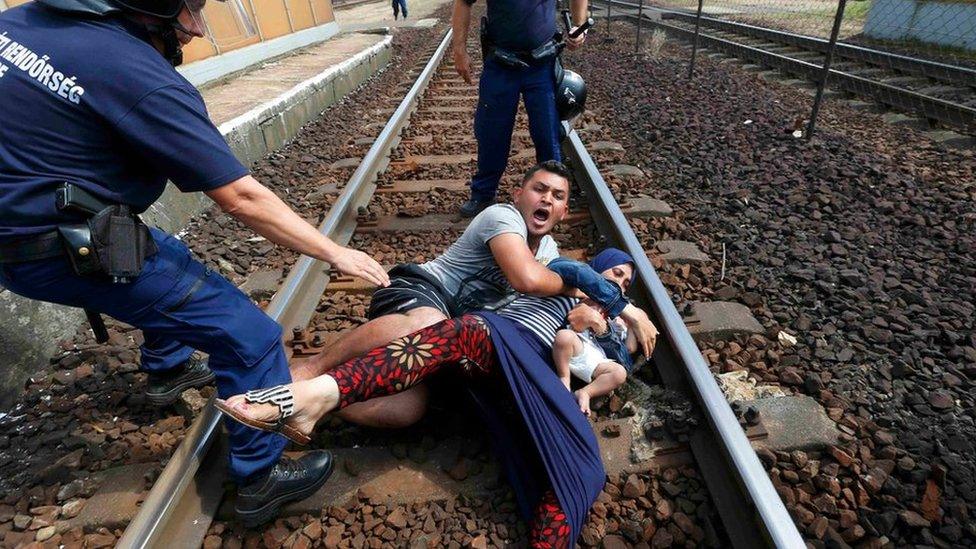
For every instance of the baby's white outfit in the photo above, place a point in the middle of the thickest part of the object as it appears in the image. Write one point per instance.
(592, 355)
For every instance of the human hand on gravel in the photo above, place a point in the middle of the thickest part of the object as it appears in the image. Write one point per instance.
(355, 263)
(462, 64)
(642, 327)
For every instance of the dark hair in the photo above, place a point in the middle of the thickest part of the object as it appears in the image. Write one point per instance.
(551, 166)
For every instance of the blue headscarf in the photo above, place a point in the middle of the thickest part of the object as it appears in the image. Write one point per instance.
(611, 257)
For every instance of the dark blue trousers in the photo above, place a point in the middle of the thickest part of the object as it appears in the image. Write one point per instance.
(398, 6)
(498, 98)
(180, 305)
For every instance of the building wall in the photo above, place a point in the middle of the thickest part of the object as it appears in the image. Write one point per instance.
(951, 24)
(271, 18)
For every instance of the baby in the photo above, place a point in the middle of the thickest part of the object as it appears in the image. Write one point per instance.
(585, 354)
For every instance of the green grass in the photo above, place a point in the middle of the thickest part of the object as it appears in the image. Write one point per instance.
(858, 9)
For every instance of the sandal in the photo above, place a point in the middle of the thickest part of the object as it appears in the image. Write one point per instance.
(281, 397)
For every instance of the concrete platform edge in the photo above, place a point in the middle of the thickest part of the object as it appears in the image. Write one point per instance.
(29, 330)
(205, 71)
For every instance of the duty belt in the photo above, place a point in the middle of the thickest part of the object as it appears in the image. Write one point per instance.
(41, 246)
(521, 59)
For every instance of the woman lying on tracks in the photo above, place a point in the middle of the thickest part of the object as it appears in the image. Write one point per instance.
(504, 361)
(597, 349)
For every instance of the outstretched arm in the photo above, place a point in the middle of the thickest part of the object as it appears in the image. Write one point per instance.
(260, 209)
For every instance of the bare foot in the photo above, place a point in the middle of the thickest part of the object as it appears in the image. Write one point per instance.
(565, 381)
(313, 399)
(583, 399)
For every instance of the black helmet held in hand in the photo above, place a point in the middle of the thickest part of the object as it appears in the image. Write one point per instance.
(570, 93)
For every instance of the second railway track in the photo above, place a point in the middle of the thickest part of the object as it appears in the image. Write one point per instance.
(425, 148)
(942, 94)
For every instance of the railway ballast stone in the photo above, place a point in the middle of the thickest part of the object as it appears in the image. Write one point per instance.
(626, 170)
(262, 284)
(600, 146)
(679, 251)
(346, 163)
(794, 423)
(720, 320)
(117, 500)
(645, 206)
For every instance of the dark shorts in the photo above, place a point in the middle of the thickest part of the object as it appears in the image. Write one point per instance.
(410, 288)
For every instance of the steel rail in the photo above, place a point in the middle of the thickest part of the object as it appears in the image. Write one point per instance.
(186, 493)
(947, 112)
(923, 67)
(750, 508)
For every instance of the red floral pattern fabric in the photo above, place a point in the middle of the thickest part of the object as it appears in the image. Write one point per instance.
(463, 342)
(404, 362)
(550, 527)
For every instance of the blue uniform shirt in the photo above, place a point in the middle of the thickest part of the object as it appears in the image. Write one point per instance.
(520, 25)
(91, 102)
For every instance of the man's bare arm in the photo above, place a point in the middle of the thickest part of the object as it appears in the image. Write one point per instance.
(260, 209)
(461, 24)
(524, 273)
(578, 10)
(579, 14)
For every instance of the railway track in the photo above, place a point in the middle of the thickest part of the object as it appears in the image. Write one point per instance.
(942, 94)
(417, 151)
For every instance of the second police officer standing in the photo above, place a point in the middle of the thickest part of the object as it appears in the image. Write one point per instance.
(520, 57)
(95, 120)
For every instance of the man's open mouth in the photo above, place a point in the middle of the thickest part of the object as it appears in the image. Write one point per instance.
(541, 215)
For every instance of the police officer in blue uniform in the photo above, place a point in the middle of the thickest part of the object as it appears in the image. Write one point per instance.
(518, 47)
(95, 119)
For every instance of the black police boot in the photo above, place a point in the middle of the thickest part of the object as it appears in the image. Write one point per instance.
(474, 206)
(165, 387)
(289, 480)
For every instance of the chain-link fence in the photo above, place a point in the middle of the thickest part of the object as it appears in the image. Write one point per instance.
(917, 57)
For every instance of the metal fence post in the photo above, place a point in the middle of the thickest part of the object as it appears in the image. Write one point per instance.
(640, 24)
(838, 18)
(694, 44)
(609, 38)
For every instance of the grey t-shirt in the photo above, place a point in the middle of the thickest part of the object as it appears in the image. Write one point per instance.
(468, 271)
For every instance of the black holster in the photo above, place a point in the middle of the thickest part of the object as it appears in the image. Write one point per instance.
(113, 241)
(78, 246)
(483, 36)
(121, 242)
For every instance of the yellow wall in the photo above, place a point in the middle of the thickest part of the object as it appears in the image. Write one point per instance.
(301, 14)
(272, 18)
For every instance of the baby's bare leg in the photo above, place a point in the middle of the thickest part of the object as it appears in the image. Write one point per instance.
(566, 345)
(606, 377)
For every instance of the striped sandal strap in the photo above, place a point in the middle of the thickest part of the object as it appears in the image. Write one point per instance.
(280, 395)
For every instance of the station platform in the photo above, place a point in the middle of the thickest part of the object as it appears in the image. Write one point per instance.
(362, 27)
(239, 94)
